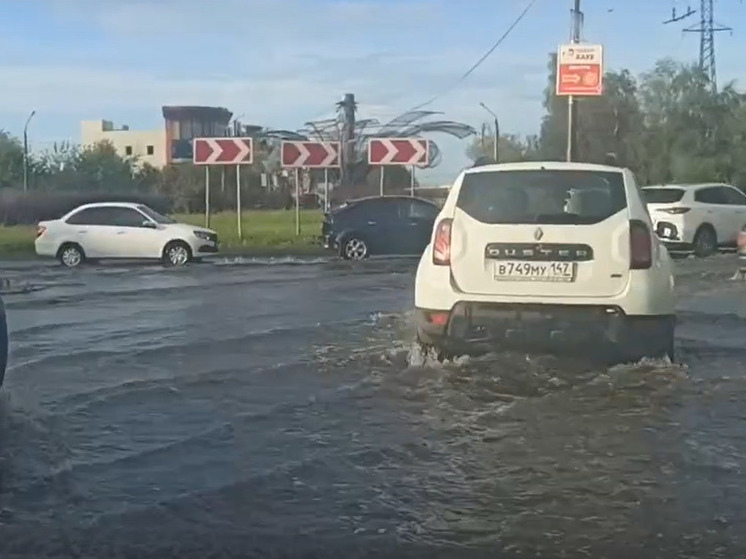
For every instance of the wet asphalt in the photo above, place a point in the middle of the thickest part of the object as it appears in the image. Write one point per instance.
(276, 408)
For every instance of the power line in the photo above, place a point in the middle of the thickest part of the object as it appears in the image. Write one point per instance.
(479, 62)
(476, 65)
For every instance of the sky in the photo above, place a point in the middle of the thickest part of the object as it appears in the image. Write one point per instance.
(281, 63)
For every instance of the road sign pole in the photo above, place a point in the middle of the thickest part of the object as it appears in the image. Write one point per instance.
(571, 108)
(383, 175)
(207, 196)
(326, 190)
(570, 126)
(411, 186)
(239, 211)
(297, 202)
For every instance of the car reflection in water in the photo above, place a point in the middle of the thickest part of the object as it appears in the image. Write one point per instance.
(389, 225)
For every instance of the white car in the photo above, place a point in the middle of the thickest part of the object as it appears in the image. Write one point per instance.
(562, 254)
(122, 230)
(699, 218)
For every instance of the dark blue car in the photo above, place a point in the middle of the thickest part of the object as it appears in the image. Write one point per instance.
(388, 225)
(3, 341)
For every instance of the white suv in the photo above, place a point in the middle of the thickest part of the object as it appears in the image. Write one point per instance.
(697, 218)
(557, 253)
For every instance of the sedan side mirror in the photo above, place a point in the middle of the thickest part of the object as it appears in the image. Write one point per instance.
(149, 224)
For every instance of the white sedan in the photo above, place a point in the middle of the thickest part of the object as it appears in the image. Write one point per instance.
(122, 231)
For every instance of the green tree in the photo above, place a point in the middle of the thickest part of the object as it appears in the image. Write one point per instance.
(11, 161)
(511, 147)
(667, 126)
(99, 167)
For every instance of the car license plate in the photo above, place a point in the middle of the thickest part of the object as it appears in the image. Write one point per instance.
(517, 270)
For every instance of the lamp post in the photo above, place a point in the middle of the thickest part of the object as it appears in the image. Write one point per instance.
(497, 131)
(25, 151)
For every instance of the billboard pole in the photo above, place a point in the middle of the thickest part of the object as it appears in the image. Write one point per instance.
(572, 117)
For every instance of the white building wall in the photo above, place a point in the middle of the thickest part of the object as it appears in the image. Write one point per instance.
(147, 146)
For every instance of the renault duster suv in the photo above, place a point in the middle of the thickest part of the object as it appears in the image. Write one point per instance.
(546, 254)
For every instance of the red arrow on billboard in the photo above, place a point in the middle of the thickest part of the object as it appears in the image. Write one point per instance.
(223, 151)
(399, 151)
(310, 154)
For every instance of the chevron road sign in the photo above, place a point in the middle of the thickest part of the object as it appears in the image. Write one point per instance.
(399, 151)
(318, 155)
(223, 151)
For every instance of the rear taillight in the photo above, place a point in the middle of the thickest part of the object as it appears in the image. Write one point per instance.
(640, 246)
(40, 231)
(442, 243)
(674, 211)
(438, 318)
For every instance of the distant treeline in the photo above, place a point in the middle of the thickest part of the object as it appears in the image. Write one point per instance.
(19, 208)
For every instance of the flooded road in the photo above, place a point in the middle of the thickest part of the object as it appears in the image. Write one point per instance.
(275, 409)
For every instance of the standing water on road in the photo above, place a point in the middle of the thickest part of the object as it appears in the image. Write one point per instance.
(278, 410)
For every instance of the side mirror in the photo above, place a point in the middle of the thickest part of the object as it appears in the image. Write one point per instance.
(149, 224)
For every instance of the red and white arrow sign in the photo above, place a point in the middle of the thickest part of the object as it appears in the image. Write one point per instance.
(399, 151)
(317, 155)
(223, 151)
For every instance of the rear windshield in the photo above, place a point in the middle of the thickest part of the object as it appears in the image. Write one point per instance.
(662, 195)
(542, 196)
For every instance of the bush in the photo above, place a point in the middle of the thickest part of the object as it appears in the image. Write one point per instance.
(19, 208)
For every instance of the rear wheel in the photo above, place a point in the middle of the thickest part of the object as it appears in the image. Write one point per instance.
(354, 249)
(429, 348)
(705, 242)
(71, 255)
(177, 253)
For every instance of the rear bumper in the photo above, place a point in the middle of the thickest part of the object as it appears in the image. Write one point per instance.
(670, 234)
(673, 230)
(45, 248)
(674, 246)
(473, 325)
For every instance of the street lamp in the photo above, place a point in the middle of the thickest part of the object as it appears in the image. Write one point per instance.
(25, 151)
(497, 131)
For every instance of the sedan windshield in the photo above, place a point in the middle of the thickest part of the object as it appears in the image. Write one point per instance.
(155, 216)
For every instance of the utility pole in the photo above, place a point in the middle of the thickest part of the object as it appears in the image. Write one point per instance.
(572, 116)
(706, 29)
(496, 133)
(25, 151)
